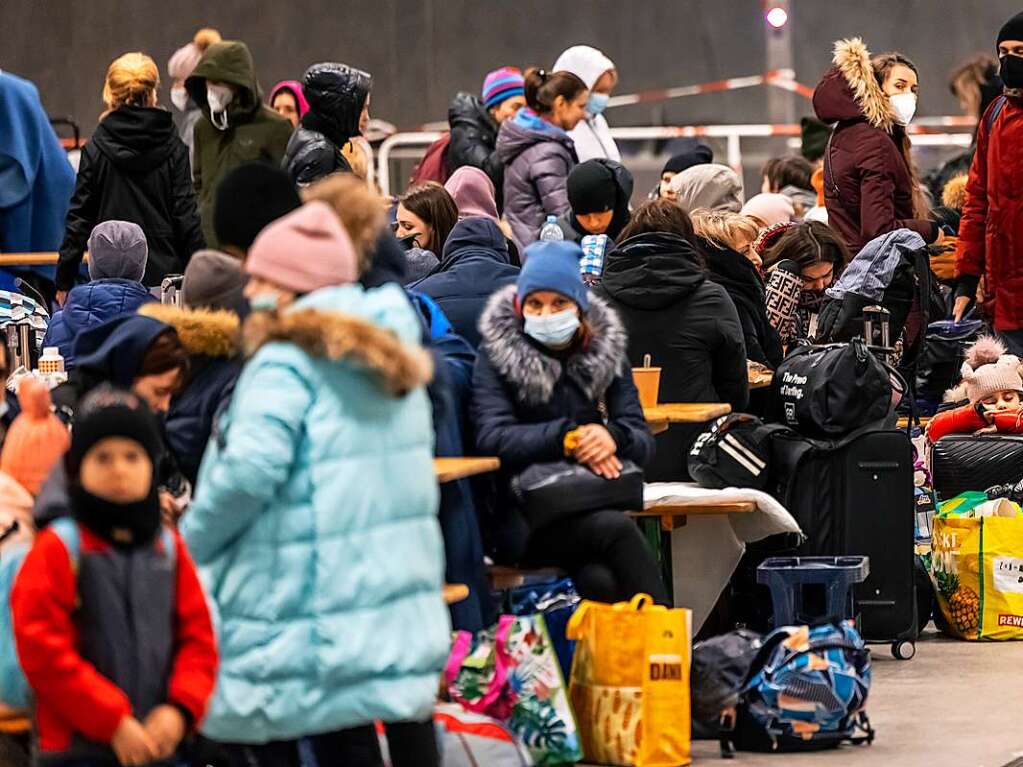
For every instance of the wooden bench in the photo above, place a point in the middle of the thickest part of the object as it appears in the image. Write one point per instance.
(660, 417)
(455, 592)
(32, 259)
(674, 515)
(450, 469)
(504, 577)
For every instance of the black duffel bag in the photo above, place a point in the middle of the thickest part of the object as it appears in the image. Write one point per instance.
(548, 492)
(734, 452)
(829, 391)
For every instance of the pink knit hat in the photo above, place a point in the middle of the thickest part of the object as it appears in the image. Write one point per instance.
(305, 250)
(986, 371)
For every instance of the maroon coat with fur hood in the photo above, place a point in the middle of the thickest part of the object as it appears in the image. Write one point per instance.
(868, 189)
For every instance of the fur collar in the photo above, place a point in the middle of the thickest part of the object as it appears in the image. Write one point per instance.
(338, 336)
(212, 332)
(853, 60)
(534, 374)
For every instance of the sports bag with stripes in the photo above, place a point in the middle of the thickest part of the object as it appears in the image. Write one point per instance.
(734, 452)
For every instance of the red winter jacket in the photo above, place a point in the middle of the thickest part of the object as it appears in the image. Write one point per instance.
(966, 420)
(868, 189)
(991, 231)
(62, 617)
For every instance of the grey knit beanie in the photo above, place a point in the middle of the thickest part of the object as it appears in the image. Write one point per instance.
(117, 249)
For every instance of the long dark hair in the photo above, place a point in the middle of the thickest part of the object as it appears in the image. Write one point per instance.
(543, 87)
(808, 244)
(432, 203)
(883, 64)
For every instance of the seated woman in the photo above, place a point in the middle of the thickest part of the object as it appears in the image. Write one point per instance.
(726, 240)
(552, 382)
(656, 280)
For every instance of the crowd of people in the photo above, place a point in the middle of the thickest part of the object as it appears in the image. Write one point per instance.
(243, 536)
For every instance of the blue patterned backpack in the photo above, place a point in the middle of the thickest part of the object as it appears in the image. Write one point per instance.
(806, 690)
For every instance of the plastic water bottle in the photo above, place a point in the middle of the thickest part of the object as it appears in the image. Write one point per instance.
(51, 361)
(551, 231)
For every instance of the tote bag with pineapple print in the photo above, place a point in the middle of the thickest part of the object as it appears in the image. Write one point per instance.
(977, 570)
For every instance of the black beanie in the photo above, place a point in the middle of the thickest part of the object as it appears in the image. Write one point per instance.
(591, 188)
(814, 137)
(1012, 29)
(249, 198)
(110, 412)
(695, 154)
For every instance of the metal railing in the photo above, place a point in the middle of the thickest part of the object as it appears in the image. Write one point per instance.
(733, 135)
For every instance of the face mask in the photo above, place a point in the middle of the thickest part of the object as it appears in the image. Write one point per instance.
(904, 107)
(179, 98)
(219, 97)
(553, 330)
(264, 302)
(1011, 71)
(597, 103)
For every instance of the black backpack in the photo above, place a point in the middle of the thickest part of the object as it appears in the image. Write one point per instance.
(734, 452)
(827, 392)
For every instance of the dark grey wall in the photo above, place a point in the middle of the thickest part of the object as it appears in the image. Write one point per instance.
(421, 51)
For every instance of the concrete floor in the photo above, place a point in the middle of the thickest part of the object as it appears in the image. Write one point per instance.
(956, 704)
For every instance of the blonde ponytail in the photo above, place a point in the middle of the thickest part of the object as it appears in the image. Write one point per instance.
(132, 80)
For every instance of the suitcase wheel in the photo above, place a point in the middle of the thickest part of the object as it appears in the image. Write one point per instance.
(904, 649)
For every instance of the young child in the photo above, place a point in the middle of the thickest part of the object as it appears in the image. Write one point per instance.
(994, 387)
(110, 621)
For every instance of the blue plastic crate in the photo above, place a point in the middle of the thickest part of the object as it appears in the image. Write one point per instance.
(788, 577)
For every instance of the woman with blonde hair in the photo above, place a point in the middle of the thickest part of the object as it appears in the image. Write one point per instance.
(134, 168)
(726, 241)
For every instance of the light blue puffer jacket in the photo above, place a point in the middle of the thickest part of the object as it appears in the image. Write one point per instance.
(315, 525)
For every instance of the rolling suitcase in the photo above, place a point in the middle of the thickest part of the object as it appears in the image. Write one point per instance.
(961, 462)
(854, 496)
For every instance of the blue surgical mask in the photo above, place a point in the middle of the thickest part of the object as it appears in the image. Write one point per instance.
(263, 302)
(597, 103)
(554, 331)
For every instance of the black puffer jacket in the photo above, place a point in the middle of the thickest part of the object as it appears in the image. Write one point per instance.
(525, 399)
(136, 169)
(474, 140)
(336, 94)
(736, 274)
(687, 325)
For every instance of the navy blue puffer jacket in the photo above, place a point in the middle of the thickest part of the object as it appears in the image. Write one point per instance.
(90, 305)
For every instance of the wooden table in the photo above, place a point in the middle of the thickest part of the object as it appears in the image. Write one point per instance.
(31, 259)
(660, 417)
(674, 515)
(455, 592)
(450, 469)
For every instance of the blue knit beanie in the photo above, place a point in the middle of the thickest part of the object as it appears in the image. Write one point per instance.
(553, 265)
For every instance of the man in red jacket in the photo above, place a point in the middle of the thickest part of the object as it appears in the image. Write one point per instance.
(991, 232)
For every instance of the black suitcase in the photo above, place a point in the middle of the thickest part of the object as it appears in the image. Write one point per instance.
(855, 497)
(961, 462)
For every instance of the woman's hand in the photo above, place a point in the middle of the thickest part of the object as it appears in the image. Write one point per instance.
(595, 444)
(609, 468)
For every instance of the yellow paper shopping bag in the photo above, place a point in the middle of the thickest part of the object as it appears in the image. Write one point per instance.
(630, 682)
(977, 568)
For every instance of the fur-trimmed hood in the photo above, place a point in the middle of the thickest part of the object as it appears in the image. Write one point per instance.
(850, 91)
(534, 374)
(339, 336)
(211, 332)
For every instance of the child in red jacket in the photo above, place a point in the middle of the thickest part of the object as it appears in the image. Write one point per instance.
(110, 621)
(993, 384)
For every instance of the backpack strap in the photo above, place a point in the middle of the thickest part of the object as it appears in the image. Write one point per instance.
(67, 530)
(995, 110)
(169, 545)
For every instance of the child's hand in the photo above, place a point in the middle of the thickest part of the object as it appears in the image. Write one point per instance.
(166, 726)
(132, 744)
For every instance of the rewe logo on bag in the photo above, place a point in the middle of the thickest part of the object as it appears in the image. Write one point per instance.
(666, 668)
(1005, 619)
